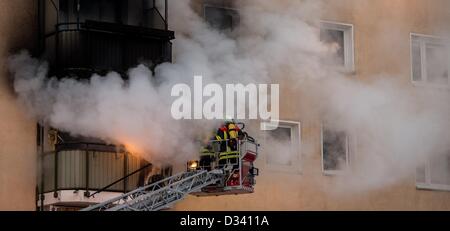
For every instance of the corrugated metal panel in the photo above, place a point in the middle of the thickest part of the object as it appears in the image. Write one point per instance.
(138, 51)
(71, 49)
(134, 164)
(105, 168)
(106, 51)
(71, 169)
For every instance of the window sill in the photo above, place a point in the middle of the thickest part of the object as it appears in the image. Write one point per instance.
(431, 86)
(334, 172)
(432, 187)
(347, 71)
(344, 70)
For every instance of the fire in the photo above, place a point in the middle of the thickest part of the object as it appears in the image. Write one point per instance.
(132, 148)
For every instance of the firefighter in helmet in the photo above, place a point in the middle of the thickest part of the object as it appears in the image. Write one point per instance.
(234, 133)
(207, 153)
(207, 157)
(221, 138)
(229, 154)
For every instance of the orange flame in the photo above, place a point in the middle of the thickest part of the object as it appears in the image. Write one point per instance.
(132, 148)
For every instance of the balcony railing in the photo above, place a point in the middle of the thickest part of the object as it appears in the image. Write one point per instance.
(77, 168)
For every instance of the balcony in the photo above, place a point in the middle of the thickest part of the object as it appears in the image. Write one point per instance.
(100, 47)
(84, 168)
(81, 37)
(79, 174)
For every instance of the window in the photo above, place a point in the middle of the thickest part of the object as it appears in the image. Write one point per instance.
(335, 151)
(429, 60)
(67, 11)
(340, 37)
(434, 174)
(145, 13)
(100, 10)
(282, 146)
(223, 19)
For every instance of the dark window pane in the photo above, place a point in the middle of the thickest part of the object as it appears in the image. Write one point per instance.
(279, 147)
(67, 11)
(281, 134)
(64, 10)
(134, 15)
(89, 10)
(108, 10)
(437, 64)
(102, 10)
(136, 12)
(334, 38)
(334, 150)
(416, 61)
(221, 19)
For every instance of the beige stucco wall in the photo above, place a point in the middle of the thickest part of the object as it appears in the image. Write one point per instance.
(17, 132)
(382, 34)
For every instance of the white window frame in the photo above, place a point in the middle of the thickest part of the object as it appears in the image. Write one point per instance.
(424, 39)
(296, 139)
(349, 41)
(427, 185)
(347, 156)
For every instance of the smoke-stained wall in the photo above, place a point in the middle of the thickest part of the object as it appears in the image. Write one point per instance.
(381, 51)
(18, 158)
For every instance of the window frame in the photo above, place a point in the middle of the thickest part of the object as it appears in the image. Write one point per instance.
(428, 185)
(349, 41)
(423, 41)
(347, 156)
(296, 139)
(219, 7)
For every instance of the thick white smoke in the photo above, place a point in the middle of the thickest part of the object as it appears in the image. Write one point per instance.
(133, 113)
(277, 42)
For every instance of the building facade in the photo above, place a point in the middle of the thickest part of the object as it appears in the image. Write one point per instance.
(375, 38)
(371, 35)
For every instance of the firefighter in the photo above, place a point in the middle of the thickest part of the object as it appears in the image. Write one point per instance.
(234, 134)
(207, 157)
(230, 135)
(222, 137)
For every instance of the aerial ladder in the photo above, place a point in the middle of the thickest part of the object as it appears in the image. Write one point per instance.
(160, 195)
(220, 177)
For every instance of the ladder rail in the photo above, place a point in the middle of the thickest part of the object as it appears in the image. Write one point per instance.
(137, 192)
(171, 194)
(155, 192)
